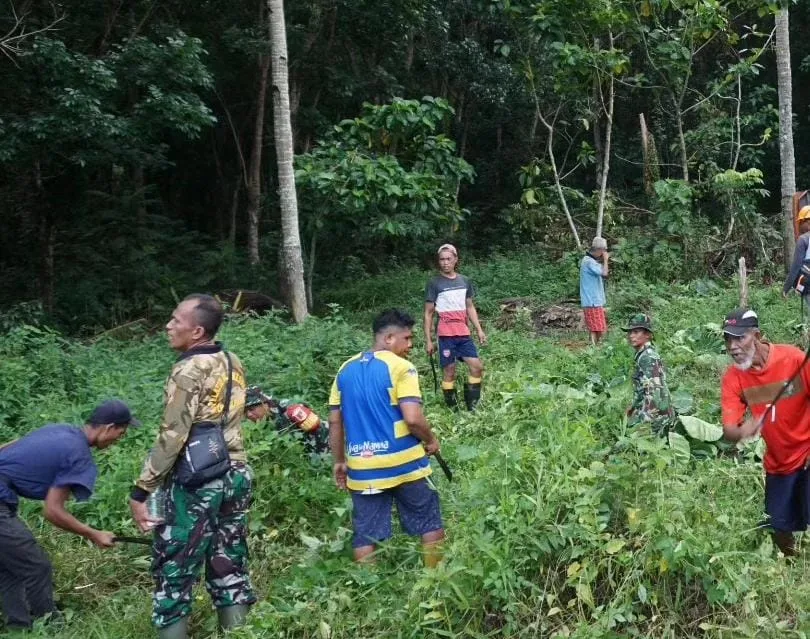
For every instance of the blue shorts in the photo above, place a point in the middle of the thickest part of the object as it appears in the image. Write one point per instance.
(455, 348)
(417, 505)
(787, 500)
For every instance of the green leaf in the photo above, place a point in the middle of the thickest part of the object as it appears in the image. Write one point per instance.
(680, 446)
(682, 401)
(698, 429)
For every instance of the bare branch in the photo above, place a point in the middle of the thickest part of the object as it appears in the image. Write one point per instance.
(11, 44)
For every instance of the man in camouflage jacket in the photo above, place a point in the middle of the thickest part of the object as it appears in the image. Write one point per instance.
(651, 399)
(205, 525)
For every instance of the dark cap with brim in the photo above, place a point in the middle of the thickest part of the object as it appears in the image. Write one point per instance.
(113, 411)
(739, 322)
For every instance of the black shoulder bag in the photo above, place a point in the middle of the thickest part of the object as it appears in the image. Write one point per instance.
(205, 456)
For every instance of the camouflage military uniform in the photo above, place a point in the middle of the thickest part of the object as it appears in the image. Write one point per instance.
(207, 524)
(651, 399)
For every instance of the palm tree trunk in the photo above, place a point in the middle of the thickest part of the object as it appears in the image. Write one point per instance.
(786, 156)
(290, 258)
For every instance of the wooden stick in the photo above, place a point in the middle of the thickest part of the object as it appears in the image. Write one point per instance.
(743, 284)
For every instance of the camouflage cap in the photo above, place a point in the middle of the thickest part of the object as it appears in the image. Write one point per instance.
(254, 396)
(639, 320)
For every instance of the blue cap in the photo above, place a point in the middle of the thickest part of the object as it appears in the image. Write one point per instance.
(112, 411)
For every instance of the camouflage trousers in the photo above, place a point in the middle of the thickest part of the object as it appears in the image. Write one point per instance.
(205, 526)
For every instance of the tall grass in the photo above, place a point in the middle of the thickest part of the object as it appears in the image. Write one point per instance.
(561, 523)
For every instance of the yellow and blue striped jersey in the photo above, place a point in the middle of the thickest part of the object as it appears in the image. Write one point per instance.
(380, 450)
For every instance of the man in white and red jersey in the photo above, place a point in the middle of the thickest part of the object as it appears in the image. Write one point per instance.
(749, 388)
(450, 294)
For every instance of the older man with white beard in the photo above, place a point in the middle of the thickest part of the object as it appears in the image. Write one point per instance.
(748, 390)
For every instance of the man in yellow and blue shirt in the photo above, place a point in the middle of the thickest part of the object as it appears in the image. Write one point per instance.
(380, 441)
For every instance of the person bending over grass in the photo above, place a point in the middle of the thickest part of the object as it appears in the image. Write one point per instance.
(52, 463)
(450, 294)
(759, 372)
(380, 441)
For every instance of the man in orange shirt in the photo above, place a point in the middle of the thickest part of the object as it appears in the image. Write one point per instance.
(749, 388)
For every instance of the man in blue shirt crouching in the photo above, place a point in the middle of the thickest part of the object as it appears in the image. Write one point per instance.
(49, 464)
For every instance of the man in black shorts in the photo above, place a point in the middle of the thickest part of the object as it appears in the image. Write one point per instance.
(451, 296)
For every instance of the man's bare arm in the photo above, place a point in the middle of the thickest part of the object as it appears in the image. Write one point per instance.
(418, 425)
(54, 511)
(430, 309)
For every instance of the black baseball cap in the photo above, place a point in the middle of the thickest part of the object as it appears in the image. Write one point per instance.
(113, 411)
(739, 322)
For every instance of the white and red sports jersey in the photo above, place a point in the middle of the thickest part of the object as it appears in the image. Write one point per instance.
(450, 296)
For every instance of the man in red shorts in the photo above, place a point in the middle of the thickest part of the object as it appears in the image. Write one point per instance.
(592, 273)
(748, 389)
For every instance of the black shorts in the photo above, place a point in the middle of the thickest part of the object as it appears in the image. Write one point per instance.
(787, 500)
(417, 505)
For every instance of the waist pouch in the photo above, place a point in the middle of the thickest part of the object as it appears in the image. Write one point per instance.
(205, 455)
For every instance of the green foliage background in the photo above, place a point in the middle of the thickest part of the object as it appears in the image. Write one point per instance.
(560, 522)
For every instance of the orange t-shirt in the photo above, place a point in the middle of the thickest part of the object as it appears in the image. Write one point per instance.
(786, 429)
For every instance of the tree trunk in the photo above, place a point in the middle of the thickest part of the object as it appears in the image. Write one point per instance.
(786, 156)
(139, 182)
(600, 214)
(47, 238)
(313, 245)
(254, 181)
(290, 258)
(233, 211)
(681, 140)
(557, 184)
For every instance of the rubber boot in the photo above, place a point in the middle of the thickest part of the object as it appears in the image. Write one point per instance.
(472, 395)
(232, 616)
(450, 398)
(178, 630)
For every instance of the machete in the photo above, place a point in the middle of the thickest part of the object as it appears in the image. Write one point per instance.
(144, 541)
(448, 473)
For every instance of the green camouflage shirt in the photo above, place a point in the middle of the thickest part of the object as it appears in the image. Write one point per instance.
(651, 399)
(195, 392)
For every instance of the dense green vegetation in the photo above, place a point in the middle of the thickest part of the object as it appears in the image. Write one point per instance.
(561, 523)
(135, 147)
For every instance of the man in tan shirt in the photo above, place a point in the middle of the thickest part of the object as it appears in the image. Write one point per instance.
(204, 525)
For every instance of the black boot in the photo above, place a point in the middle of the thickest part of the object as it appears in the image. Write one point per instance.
(472, 395)
(450, 398)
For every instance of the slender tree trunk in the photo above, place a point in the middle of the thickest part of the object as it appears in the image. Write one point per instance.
(313, 245)
(47, 239)
(786, 156)
(139, 182)
(681, 141)
(600, 214)
(254, 180)
(291, 260)
(234, 210)
(557, 184)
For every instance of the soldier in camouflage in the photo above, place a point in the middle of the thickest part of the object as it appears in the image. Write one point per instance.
(206, 525)
(652, 403)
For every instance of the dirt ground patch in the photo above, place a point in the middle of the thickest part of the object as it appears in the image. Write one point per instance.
(561, 319)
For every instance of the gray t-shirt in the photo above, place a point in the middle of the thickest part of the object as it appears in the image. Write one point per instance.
(450, 296)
